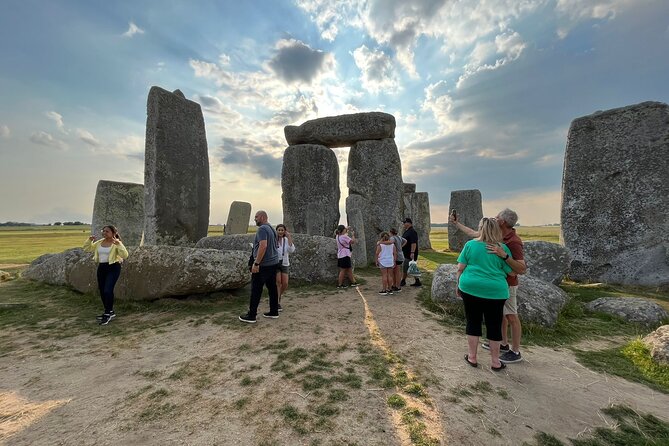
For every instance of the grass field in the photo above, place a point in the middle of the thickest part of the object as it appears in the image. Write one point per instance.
(23, 244)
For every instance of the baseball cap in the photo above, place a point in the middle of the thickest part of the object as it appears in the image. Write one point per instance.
(407, 220)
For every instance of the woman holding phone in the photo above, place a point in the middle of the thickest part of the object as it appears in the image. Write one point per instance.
(108, 253)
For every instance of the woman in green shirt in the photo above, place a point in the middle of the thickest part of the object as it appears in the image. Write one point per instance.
(481, 283)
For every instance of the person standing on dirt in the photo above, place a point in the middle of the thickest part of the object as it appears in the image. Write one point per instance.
(108, 253)
(409, 250)
(345, 238)
(481, 284)
(263, 271)
(506, 219)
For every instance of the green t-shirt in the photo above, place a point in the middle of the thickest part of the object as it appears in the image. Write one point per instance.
(485, 274)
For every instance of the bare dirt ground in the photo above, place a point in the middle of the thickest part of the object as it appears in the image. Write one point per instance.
(320, 374)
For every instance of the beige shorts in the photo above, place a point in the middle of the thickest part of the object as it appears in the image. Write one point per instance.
(511, 305)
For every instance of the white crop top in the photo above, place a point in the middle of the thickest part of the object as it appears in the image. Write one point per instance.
(103, 254)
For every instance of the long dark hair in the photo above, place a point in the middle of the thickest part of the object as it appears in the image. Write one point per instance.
(114, 231)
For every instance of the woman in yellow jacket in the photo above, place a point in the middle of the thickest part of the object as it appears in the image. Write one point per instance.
(108, 253)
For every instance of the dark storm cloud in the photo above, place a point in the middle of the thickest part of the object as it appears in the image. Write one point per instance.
(295, 61)
(250, 155)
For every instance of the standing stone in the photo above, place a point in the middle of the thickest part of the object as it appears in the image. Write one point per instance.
(310, 180)
(238, 218)
(409, 188)
(176, 171)
(467, 204)
(315, 220)
(121, 205)
(375, 187)
(615, 196)
(343, 130)
(359, 248)
(417, 207)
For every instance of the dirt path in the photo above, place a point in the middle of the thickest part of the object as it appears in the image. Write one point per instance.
(317, 375)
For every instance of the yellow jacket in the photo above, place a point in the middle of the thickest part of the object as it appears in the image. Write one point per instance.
(117, 253)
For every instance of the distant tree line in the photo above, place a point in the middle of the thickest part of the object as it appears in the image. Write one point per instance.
(58, 223)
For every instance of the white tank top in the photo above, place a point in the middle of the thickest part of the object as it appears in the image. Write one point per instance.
(386, 256)
(103, 254)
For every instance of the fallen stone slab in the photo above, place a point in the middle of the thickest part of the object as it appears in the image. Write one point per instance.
(539, 302)
(547, 261)
(342, 130)
(632, 309)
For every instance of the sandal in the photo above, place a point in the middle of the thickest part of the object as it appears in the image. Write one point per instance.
(502, 366)
(473, 364)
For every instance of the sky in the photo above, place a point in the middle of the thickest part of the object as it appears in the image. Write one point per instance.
(483, 92)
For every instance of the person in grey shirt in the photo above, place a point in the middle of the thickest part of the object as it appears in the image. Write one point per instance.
(263, 271)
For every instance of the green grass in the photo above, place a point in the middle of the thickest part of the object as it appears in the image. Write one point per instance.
(630, 429)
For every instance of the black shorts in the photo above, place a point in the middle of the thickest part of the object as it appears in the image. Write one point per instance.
(344, 262)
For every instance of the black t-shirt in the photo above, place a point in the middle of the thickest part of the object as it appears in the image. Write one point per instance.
(412, 237)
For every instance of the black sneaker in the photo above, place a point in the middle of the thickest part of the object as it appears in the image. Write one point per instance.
(106, 318)
(403, 283)
(270, 315)
(390, 292)
(247, 318)
(502, 348)
(395, 289)
(280, 308)
(383, 292)
(100, 317)
(510, 357)
(341, 286)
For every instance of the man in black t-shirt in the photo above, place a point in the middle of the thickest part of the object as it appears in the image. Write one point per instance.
(410, 250)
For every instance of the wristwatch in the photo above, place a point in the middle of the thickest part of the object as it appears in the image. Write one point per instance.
(507, 257)
(256, 264)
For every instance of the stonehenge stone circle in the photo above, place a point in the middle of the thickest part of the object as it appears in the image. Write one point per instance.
(343, 130)
(176, 171)
(632, 309)
(615, 196)
(121, 205)
(238, 218)
(375, 187)
(416, 205)
(467, 204)
(409, 188)
(310, 180)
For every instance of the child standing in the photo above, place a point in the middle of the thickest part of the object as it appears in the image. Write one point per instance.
(386, 256)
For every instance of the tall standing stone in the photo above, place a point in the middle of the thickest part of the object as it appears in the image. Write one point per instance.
(121, 205)
(469, 209)
(375, 187)
(176, 170)
(238, 218)
(615, 196)
(310, 186)
(417, 207)
(343, 130)
(359, 248)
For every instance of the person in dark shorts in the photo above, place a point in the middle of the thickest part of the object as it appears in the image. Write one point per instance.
(409, 250)
(344, 240)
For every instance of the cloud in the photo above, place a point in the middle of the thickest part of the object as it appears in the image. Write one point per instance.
(573, 12)
(5, 132)
(248, 154)
(58, 119)
(46, 139)
(132, 30)
(88, 138)
(294, 61)
(378, 72)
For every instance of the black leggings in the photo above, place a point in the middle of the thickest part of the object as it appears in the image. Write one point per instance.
(476, 309)
(108, 274)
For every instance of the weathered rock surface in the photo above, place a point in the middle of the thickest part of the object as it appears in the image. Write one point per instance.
(314, 259)
(409, 188)
(343, 130)
(176, 171)
(359, 248)
(615, 195)
(375, 187)
(539, 302)
(469, 209)
(238, 218)
(658, 342)
(416, 205)
(310, 181)
(632, 309)
(545, 260)
(150, 272)
(121, 205)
